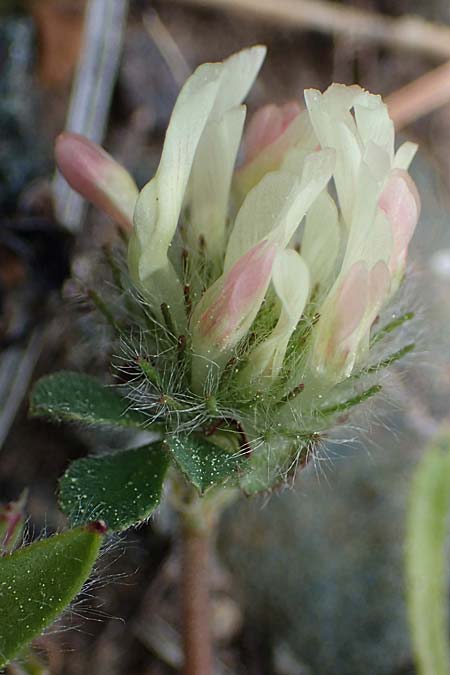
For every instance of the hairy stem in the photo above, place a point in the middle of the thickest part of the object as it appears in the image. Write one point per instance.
(199, 517)
(196, 605)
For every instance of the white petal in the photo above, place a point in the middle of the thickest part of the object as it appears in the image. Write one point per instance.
(321, 238)
(368, 136)
(276, 206)
(317, 170)
(404, 155)
(260, 213)
(292, 285)
(211, 179)
(374, 124)
(335, 128)
(239, 73)
(370, 237)
(209, 92)
(159, 203)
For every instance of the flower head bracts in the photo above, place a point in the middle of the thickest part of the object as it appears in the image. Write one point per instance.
(262, 287)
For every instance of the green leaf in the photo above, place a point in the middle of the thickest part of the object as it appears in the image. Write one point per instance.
(122, 489)
(39, 581)
(426, 558)
(204, 464)
(81, 398)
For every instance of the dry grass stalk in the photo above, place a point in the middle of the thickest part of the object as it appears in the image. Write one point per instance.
(405, 32)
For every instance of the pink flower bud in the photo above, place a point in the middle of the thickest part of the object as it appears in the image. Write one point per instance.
(97, 177)
(350, 306)
(344, 327)
(235, 306)
(401, 203)
(272, 132)
(266, 125)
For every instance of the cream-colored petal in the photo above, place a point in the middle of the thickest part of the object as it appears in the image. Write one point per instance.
(290, 278)
(207, 94)
(260, 213)
(317, 169)
(321, 241)
(374, 124)
(159, 204)
(335, 128)
(404, 155)
(211, 179)
(276, 206)
(370, 237)
(367, 137)
(239, 73)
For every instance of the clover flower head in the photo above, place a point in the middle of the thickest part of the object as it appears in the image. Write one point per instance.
(270, 271)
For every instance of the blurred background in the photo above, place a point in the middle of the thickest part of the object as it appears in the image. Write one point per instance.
(306, 581)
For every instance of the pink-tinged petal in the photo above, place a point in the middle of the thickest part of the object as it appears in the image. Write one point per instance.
(225, 321)
(97, 177)
(401, 203)
(379, 285)
(297, 132)
(350, 303)
(337, 332)
(266, 125)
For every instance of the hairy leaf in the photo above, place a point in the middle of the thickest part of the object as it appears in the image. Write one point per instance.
(39, 581)
(204, 464)
(122, 489)
(82, 398)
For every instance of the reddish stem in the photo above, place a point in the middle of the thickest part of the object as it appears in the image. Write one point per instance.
(197, 638)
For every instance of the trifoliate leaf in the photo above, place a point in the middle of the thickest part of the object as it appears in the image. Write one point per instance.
(39, 581)
(80, 398)
(204, 464)
(426, 559)
(122, 489)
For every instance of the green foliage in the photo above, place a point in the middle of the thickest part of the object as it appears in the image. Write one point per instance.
(81, 398)
(427, 591)
(204, 464)
(122, 489)
(39, 581)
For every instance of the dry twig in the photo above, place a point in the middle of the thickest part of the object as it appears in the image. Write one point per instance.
(420, 97)
(167, 46)
(405, 32)
(91, 94)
